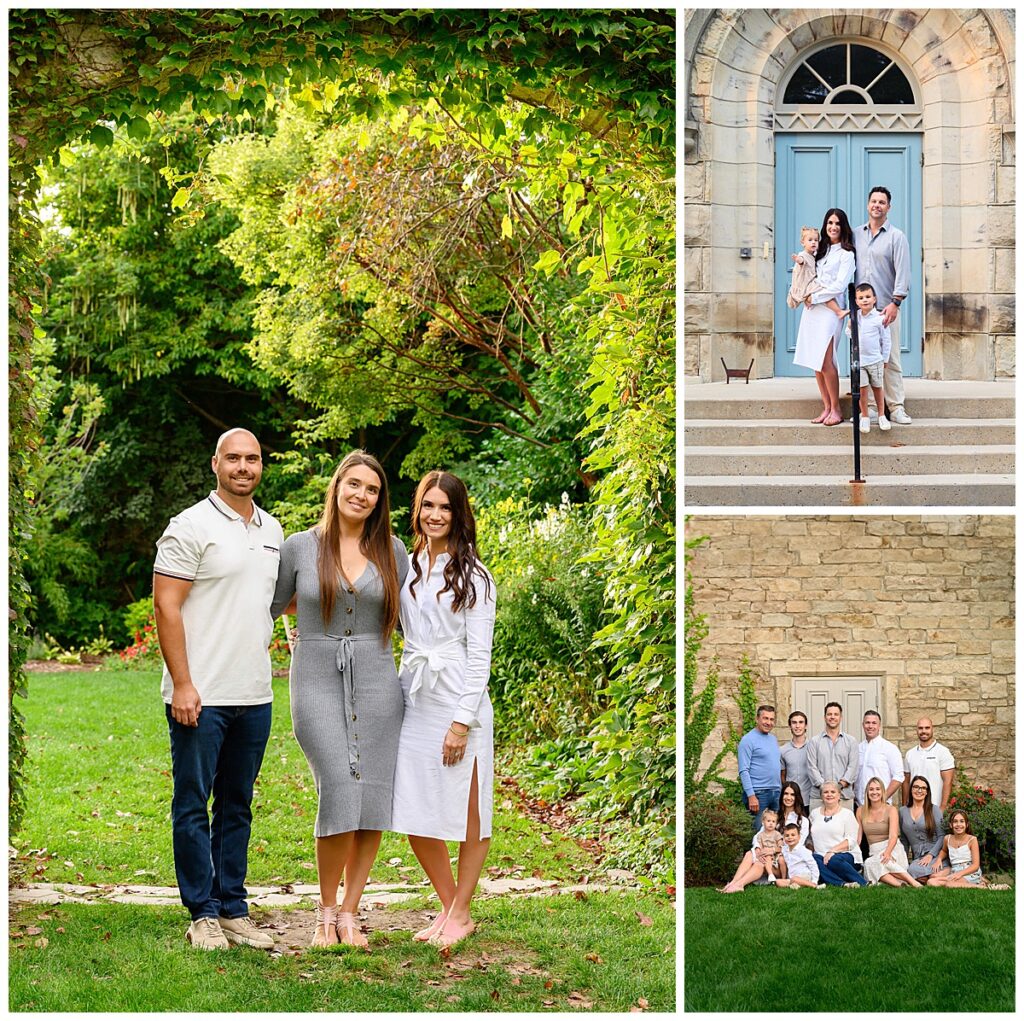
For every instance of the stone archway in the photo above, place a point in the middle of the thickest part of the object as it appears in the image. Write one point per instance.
(963, 62)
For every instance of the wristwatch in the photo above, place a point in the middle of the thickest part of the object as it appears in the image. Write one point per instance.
(897, 301)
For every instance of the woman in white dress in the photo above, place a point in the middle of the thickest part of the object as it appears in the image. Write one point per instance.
(444, 778)
(819, 325)
(880, 823)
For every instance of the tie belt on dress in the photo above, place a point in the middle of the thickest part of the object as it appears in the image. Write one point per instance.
(344, 658)
(427, 661)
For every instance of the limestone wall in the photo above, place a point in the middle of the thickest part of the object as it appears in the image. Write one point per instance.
(927, 603)
(963, 61)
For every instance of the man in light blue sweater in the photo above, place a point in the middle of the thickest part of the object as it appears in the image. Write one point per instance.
(760, 765)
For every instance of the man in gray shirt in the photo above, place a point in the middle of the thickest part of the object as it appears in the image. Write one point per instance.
(793, 755)
(883, 260)
(832, 755)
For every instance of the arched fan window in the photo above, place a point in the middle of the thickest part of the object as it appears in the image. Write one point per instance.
(848, 74)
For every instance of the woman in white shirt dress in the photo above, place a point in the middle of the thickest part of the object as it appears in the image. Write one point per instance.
(444, 778)
(819, 325)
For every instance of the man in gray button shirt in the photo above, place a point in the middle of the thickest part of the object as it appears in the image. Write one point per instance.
(793, 755)
(883, 260)
(832, 755)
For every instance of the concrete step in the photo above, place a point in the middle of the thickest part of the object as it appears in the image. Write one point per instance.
(724, 491)
(757, 406)
(924, 432)
(810, 460)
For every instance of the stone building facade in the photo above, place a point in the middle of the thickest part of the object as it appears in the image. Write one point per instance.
(743, 70)
(911, 616)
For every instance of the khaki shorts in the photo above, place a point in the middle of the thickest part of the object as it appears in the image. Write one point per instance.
(871, 375)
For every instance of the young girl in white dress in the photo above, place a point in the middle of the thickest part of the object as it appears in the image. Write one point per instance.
(444, 778)
(961, 847)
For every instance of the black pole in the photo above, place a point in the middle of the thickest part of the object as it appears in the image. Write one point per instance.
(855, 380)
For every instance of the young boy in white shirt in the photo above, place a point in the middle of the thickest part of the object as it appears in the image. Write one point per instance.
(875, 345)
(799, 867)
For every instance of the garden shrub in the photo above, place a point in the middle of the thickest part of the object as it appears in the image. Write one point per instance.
(716, 833)
(993, 821)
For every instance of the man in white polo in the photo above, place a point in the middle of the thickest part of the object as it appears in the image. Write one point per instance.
(877, 757)
(934, 762)
(213, 582)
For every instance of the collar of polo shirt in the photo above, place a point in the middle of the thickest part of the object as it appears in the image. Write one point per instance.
(230, 512)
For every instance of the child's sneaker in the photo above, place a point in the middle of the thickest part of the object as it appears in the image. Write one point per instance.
(865, 424)
(884, 424)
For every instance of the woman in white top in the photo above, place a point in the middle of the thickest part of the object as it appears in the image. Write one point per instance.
(834, 833)
(819, 326)
(444, 778)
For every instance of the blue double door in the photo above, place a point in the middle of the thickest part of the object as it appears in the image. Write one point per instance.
(816, 172)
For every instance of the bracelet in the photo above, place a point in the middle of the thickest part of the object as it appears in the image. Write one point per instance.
(464, 733)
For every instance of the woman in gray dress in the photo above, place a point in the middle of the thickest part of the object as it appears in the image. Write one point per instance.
(921, 829)
(343, 578)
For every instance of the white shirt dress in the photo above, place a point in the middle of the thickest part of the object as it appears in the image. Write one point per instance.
(445, 667)
(819, 324)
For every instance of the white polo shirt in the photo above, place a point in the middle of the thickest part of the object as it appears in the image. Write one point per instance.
(929, 763)
(879, 758)
(232, 565)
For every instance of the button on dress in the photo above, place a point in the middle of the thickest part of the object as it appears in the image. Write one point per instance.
(445, 666)
(346, 700)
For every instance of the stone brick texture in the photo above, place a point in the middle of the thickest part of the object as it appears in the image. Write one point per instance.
(924, 603)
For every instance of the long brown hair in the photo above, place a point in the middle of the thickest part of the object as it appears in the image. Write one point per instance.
(463, 562)
(929, 822)
(375, 544)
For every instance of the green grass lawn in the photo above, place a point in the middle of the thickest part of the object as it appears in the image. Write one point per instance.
(530, 954)
(99, 803)
(874, 949)
(99, 783)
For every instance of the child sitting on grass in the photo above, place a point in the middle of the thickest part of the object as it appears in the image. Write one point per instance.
(768, 843)
(798, 865)
(805, 273)
(961, 847)
(875, 345)
(763, 857)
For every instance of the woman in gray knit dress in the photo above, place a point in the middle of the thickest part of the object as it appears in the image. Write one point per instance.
(342, 578)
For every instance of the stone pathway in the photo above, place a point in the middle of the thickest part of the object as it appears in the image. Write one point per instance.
(287, 894)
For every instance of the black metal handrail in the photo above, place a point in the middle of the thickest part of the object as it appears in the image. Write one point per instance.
(855, 380)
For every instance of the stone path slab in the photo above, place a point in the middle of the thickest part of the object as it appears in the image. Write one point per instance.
(375, 894)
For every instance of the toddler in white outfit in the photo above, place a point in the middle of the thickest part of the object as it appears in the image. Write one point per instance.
(805, 273)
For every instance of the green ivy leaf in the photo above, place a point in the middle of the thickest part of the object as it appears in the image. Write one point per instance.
(181, 197)
(548, 261)
(101, 137)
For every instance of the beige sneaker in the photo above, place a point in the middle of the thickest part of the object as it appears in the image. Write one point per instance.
(243, 930)
(205, 933)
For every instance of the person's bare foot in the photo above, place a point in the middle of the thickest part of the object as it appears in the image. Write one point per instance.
(821, 418)
(833, 418)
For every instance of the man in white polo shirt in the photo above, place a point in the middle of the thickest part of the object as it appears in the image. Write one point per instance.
(213, 581)
(877, 757)
(934, 762)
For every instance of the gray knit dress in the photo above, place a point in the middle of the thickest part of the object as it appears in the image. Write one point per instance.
(346, 699)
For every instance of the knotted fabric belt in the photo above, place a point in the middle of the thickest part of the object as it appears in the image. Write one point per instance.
(427, 664)
(345, 659)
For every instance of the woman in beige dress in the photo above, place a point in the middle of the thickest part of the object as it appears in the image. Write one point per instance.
(880, 823)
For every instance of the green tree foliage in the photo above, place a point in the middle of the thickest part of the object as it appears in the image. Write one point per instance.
(574, 107)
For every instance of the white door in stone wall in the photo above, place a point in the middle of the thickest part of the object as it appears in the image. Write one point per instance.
(815, 172)
(855, 694)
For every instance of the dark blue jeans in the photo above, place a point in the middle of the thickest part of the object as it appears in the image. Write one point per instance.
(765, 799)
(222, 756)
(840, 869)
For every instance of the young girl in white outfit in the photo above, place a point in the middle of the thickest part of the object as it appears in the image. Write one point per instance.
(444, 778)
(961, 847)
